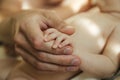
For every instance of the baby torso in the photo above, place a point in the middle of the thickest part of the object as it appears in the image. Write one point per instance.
(91, 32)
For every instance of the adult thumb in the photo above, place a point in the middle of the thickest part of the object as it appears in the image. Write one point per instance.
(56, 22)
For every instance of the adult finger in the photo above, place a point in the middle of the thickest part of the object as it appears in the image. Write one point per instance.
(44, 66)
(21, 41)
(57, 23)
(33, 32)
(50, 57)
(59, 59)
(62, 26)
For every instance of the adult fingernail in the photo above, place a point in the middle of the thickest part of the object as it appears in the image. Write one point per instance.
(75, 62)
(71, 69)
(67, 51)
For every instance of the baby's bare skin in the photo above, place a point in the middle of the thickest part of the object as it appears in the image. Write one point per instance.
(93, 30)
(60, 40)
(101, 22)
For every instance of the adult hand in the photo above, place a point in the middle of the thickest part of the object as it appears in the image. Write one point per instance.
(32, 23)
(29, 27)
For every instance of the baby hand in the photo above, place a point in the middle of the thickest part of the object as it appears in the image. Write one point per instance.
(61, 39)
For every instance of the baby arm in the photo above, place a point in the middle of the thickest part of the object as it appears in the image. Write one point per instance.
(105, 64)
(112, 50)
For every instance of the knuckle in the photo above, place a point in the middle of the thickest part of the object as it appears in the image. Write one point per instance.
(37, 43)
(38, 65)
(42, 56)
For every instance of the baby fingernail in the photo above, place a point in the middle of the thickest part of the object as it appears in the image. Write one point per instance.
(54, 46)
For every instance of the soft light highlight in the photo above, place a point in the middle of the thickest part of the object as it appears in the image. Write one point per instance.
(25, 5)
(116, 49)
(92, 28)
